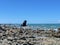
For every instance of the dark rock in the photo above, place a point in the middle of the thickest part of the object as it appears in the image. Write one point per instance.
(23, 38)
(32, 37)
(10, 43)
(24, 44)
(2, 28)
(4, 35)
(57, 36)
(58, 30)
(16, 44)
(9, 39)
(28, 43)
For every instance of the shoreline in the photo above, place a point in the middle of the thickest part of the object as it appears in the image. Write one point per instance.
(11, 35)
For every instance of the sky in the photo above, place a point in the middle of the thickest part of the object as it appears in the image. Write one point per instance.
(34, 11)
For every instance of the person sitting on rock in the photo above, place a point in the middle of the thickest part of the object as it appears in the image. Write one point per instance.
(24, 23)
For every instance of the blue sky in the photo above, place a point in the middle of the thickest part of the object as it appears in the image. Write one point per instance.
(34, 11)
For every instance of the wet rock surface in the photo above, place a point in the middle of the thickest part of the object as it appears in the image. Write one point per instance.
(21, 36)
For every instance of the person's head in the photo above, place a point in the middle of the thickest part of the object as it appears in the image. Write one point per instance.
(25, 21)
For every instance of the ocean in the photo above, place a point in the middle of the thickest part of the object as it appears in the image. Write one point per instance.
(45, 26)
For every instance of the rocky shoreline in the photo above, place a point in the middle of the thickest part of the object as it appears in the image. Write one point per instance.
(27, 36)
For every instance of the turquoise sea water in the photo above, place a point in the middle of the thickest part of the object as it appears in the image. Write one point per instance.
(55, 26)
